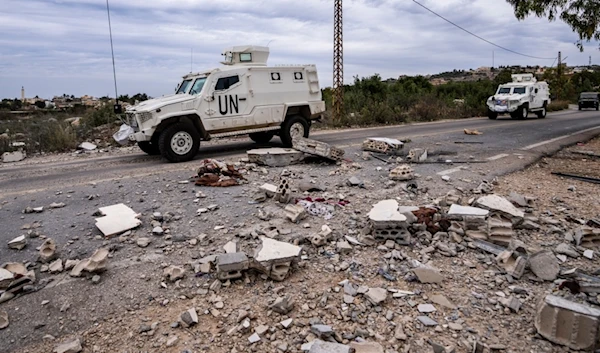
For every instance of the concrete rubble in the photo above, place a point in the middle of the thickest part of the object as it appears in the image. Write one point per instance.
(116, 219)
(231, 265)
(4, 322)
(18, 243)
(568, 323)
(73, 346)
(417, 155)
(275, 157)
(94, 264)
(402, 173)
(319, 346)
(382, 145)
(275, 258)
(318, 148)
(388, 223)
(47, 250)
(11, 157)
(87, 146)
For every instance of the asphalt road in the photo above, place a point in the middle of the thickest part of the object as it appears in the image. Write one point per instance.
(501, 141)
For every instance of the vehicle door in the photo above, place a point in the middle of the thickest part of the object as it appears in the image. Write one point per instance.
(536, 96)
(230, 96)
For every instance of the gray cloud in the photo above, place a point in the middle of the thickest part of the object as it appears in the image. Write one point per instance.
(62, 46)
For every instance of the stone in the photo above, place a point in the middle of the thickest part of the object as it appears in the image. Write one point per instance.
(319, 346)
(544, 265)
(426, 274)
(511, 302)
(568, 323)
(47, 250)
(321, 331)
(343, 247)
(467, 211)
(97, 262)
(376, 295)
(172, 340)
(230, 247)
(275, 157)
(282, 305)
(367, 347)
(427, 321)
(174, 273)
(445, 178)
(588, 254)
(96, 279)
(116, 219)
(402, 173)
(189, 317)
(261, 329)
(56, 205)
(231, 265)
(4, 320)
(566, 249)
(11, 157)
(513, 265)
(417, 155)
(269, 189)
(157, 231)
(69, 347)
(18, 243)
(254, 338)
(143, 242)
(88, 146)
(426, 308)
(454, 326)
(56, 266)
(354, 181)
(499, 204)
(520, 200)
(14, 267)
(286, 323)
(318, 148)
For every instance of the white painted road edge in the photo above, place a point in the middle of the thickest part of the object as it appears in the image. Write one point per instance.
(498, 156)
(450, 171)
(527, 148)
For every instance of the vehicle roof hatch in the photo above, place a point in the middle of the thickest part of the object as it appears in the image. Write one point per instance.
(246, 55)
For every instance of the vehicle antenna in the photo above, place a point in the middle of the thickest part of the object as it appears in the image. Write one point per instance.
(117, 107)
(192, 61)
(270, 42)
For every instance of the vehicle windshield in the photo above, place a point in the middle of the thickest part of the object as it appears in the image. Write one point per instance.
(197, 86)
(519, 90)
(504, 90)
(589, 95)
(183, 88)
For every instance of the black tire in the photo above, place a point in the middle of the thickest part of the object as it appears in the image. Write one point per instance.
(514, 115)
(579, 107)
(523, 112)
(492, 115)
(290, 124)
(186, 139)
(262, 137)
(596, 107)
(542, 113)
(149, 147)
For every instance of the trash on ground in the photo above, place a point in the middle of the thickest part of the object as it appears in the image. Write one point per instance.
(472, 132)
(218, 174)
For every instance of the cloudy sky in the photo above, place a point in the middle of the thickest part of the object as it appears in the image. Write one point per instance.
(62, 46)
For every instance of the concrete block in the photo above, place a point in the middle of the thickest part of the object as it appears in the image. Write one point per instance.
(275, 157)
(500, 230)
(402, 173)
(587, 237)
(467, 211)
(567, 323)
(417, 155)
(284, 192)
(16, 156)
(269, 189)
(382, 145)
(514, 266)
(230, 266)
(295, 213)
(274, 258)
(399, 234)
(318, 148)
(385, 214)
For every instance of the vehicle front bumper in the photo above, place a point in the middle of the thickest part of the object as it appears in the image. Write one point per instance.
(502, 109)
(139, 136)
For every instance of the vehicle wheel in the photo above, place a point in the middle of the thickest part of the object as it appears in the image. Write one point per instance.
(149, 147)
(514, 115)
(542, 113)
(179, 142)
(262, 137)
(523, 112)
(294, 126)
(579, 107)
(492, 115)
(596, 107)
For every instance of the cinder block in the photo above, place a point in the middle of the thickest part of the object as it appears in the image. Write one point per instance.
(230, 266)
(567, 323)
(318, 148)
(397, 233)
(500, 230)
(382, 145)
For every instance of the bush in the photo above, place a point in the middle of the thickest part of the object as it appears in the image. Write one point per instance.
(558, 105)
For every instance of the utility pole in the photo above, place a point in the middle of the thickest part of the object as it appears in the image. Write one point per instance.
(493, 59)
(338, 62)
(558, 72)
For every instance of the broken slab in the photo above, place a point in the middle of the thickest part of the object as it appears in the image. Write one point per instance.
(69, 347)
(566, 249)
(11, 157)
(467, 211)
(318, 148)
(56, 266)
(275, 157)
(417, 155)
(283, 305)
(88, 146)
(231, 265)
(97, 262)
(295, 213)
(568, 323)
(544, 265)
(269, 189)
(189, 317)
(427, 274)
(319, 346)
(275, 258)
(174, 273)
(382, 145)
(385, 213)
(499, 204)
(442, 301)
(402, 172)
(6, 277)
(376, 295)
(18, 243)
(367, 347)
(513, 265)
(116, 219)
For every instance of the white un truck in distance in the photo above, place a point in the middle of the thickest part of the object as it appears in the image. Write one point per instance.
(243, 96)
(520, 97)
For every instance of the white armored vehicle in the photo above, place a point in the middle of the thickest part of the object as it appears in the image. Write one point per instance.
(243, 96)
(520, 97)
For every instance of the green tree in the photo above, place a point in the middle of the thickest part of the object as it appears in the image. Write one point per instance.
(583, 16)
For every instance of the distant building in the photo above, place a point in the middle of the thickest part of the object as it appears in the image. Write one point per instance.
(22, 94)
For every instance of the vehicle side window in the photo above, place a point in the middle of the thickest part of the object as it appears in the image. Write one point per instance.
(225, 82)
(536, 90)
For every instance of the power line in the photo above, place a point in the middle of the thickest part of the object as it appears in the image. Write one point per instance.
(476, 36)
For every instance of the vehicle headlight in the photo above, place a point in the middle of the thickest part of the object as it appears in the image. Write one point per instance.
(144, 116)
(514, 102)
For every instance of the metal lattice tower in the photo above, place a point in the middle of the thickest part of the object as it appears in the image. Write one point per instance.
(338, 62)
